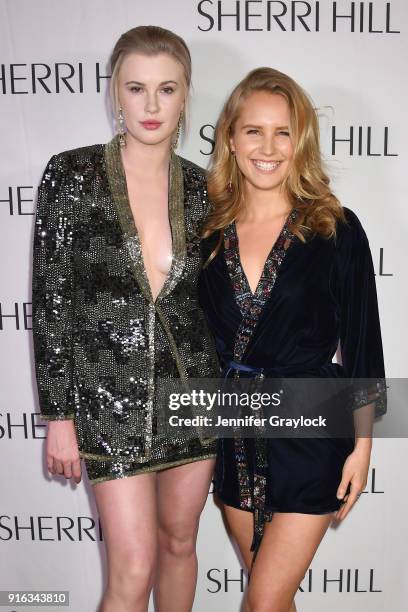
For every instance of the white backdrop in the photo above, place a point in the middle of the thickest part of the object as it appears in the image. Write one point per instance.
(49, 532)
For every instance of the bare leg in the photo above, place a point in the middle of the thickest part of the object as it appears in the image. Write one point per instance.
(182, 493)
(127, 511)
(241, 525)
(288, 546)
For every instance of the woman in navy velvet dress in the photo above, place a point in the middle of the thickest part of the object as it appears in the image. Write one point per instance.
(289, 279)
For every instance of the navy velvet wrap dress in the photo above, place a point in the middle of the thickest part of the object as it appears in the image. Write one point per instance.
(314, 300)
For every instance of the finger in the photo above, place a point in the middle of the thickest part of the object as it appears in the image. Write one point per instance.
(67, 469)
(343, 511)
(354, 495)
(59, 468)
(339, 513)
(342, 489)
(351, 500)
(346, 508)
(50, 464)
(76, 470)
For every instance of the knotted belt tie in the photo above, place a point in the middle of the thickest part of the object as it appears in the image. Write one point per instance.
(257, 482)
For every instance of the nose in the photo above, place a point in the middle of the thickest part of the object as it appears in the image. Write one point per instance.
(268, 145)
(151, 102)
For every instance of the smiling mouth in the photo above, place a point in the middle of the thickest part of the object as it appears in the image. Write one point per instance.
(266, 166)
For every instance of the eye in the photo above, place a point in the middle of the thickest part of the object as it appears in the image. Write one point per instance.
(253, 131)
(284, 132)
(168, 90)
(135, 88)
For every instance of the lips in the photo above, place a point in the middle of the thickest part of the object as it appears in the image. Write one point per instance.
(264, 166)
(150, 125)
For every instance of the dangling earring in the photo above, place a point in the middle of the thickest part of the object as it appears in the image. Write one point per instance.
(179, 124)
(229, 184)
(122, 132)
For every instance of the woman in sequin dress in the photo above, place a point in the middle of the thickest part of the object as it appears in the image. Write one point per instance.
(289, 276)
(115, 308)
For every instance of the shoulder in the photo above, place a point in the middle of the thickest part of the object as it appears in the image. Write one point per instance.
(194, 175)
(78, 163)
(352, 219)
(351, 239)
(351, 230)
(72, 157)
(78, 155)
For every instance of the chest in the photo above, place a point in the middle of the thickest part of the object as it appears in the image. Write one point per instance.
(107, 256)
(255, 242)
(148, 201)
(149, 207)
(304, 285)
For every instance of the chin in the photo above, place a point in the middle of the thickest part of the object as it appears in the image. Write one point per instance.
(269, 187)
(265, 184)
(150, 139)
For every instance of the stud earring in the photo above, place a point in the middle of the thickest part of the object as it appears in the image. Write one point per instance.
(122, 132)
(176, 139)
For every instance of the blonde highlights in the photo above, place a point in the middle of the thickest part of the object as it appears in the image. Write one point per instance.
(307, 186)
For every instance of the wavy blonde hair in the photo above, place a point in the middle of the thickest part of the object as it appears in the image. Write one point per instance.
(307, 186)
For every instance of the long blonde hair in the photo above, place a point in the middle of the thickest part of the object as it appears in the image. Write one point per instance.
(150, 40)
(307, 186)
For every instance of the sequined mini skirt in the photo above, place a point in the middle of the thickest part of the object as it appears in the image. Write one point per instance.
(99, 470)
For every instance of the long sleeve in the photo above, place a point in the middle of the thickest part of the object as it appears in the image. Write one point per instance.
(52, 293)
(360, 331)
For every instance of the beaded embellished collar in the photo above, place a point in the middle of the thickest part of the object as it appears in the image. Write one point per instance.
(251, 304)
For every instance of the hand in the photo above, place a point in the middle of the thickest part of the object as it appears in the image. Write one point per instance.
(355, 473)
(62, 449)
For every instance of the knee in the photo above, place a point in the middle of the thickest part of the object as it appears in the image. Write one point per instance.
(132, 577)
(275, 604)
(178, 539)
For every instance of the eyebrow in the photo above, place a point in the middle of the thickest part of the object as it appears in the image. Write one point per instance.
(249, 125)
(140, 83)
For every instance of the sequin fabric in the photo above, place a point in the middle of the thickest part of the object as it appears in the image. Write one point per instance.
(252, 486)
(101, 344)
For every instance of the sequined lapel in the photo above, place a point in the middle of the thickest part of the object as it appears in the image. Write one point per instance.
(251, 304)
(118, 186)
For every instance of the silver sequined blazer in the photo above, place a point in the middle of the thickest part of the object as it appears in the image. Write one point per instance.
(100, 342)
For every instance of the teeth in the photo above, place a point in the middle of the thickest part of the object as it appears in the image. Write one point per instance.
(265, 165)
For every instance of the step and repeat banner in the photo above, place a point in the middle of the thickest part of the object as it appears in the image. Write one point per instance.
(54, 75)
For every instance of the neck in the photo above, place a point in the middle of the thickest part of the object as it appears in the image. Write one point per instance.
(264, 205)
(146, 160)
